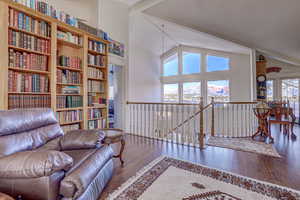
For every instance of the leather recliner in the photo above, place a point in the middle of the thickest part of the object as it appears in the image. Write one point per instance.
(39, 162)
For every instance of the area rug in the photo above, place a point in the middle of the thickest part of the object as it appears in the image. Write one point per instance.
(171, 179)
(244, 144)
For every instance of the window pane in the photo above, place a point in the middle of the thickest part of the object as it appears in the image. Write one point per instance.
(218, 89)
(191, 92)
(215, 63)
(270, 90)
(171, 93)
(191, 63)
(171, 66)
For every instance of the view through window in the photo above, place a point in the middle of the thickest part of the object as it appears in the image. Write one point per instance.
(191, 63)
(171, 66)
(191, 92)
(171, 93)
(270, 90)
(216, 63)
(219, 90)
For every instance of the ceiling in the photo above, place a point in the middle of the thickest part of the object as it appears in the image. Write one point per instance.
(269, 25)
(130, 2)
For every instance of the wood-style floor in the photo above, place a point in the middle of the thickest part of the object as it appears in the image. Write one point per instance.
(283, 171)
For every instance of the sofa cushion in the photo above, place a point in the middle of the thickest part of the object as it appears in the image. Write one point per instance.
(34, 164)
(81, 139)
(76, 182)
(17, 121)
(28, 140)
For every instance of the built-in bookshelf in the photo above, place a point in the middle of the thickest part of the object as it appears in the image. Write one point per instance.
(97, 73)
(47, 63)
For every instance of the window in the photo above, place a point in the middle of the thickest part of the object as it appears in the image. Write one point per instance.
(171, 93)
(191, 63)
(171, 66)
(270, 90)
(191, 92)
(218, 89)
(216, 63)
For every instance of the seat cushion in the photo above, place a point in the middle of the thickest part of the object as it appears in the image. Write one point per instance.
(87, 165)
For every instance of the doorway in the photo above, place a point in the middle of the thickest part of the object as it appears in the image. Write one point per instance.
(290, 92)
(116, 96)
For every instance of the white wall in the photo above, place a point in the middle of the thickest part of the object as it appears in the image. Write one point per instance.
(83, 9)
(145, 45)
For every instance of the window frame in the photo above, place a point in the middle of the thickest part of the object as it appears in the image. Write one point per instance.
(229, 86)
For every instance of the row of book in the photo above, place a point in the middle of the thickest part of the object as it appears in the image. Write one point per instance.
(25, 22)
(69, 101)
(49, 10)
(72, 62)
(95, 113)
(70, 89)
(96, 60)
(92, 100)
(97, 46)
(97, 124)
(70, 37)
(71, 127)
(96, 86)
(26, 41)
(27, 60)
(95, 73)
(29, 101)
(20, 82)
(69, 116)
(67, 76)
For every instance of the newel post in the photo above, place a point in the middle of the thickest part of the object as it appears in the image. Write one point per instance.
(201, 132)
(212, 117)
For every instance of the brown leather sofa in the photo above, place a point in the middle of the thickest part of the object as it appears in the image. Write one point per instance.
(39, 162)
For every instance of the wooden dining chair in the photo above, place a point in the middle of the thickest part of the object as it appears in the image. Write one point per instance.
(281, 116)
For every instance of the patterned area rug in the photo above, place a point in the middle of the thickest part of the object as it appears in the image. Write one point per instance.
(172, 179)
(244, 144)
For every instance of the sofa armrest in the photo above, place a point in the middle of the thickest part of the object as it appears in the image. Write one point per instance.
(82, 139)
(34, 164)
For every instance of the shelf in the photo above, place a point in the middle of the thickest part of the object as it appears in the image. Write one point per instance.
(71, 84)
(28, 50)
(30, 93)
(69, 68)
(96, 52)
(95, 119)
(69, 95)
(29, 33)
(69, 123)
(96, 79)
(100, 107)
(67, 43)
(68, 109)
(28, 70)
(96, 66)
(97, 92)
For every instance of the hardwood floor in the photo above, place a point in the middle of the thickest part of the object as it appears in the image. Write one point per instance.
(283, 171)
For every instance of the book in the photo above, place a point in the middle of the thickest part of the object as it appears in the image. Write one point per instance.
(97, 46)
(23, 82)
(68, 77)
(69, 90)
(69, 116)
(67, 128)
(24, 60)
(96, 86)
(97, 60)
(29, 101)
(70, 37)
(95, 113)
(69, 101)
(26, 41)
(95, 73)
(97, 124)
(25, 22)
(72, 62)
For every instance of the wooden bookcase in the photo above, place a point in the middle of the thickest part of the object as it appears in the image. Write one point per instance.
(51, 83)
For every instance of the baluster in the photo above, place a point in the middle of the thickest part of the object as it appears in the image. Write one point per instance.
(201, 131)
(130, 118)
(177, 122)
(223, 120)
(189, 125)
(145, 120)
(149, 121)
(167, 124)
(212, 117)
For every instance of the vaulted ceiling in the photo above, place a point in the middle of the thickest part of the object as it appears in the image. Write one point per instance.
(268, 25)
